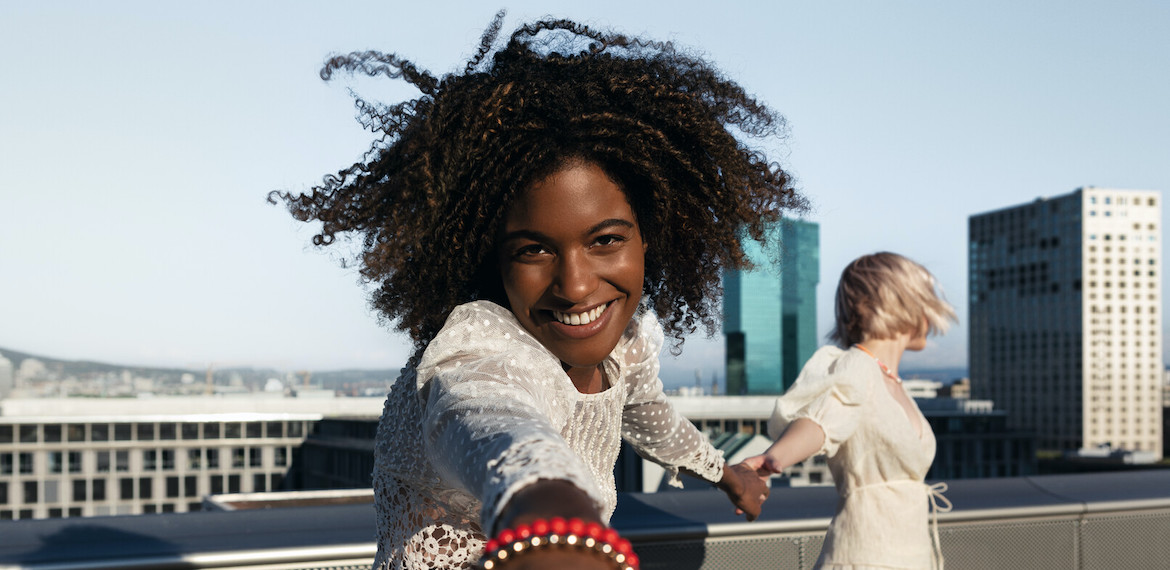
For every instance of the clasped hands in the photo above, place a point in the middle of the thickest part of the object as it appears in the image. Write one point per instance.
(746, 484)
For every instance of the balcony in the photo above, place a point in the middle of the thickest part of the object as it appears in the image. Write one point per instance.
(1060, 522)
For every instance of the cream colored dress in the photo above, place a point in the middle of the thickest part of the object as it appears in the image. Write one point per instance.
(488, 410)
(877, 458)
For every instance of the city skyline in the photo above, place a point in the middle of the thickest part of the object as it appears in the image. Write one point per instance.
(140, 142)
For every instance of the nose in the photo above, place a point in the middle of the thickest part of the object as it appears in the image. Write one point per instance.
(576, 277)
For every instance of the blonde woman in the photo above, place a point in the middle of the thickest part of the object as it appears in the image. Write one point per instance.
(849, 404)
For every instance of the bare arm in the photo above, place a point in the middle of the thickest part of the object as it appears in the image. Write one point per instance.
(799, 441)
(545, 499)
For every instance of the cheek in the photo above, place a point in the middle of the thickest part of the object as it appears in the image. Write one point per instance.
(521, 284)
(633, 272)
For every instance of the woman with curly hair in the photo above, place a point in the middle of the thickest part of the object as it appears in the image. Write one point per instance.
(535, 222)
(849, 404)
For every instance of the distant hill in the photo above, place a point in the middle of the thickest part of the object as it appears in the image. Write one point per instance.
(89, 369)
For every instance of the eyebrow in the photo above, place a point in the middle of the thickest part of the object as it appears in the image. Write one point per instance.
(537, 236)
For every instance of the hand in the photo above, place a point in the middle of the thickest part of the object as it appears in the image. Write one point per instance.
(746, 488)
(763, 465)
(561, 558)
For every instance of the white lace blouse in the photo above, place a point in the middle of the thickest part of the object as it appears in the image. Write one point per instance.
(488, 410)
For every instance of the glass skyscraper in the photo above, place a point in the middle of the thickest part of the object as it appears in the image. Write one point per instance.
(769, 312)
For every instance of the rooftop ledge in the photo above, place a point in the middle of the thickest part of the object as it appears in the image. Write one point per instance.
(1099, 520)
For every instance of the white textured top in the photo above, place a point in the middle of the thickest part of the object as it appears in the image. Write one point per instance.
(488, 410)
(877, 459)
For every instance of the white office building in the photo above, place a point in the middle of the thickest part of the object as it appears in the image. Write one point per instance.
(79, 457)
(1065, 317)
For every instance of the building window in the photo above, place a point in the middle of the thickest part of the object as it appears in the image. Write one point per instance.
(79, 490)
(149, 459)
(211, 430)
(56, 461)
(194, 459)
(213, 459)
(172, 487)
(75, 462)
(276, 429)
(168, 459)
(76, 432)
(103, 462)
(123, 432)
(280, 456)
(190, 486)
(28, 434)
(99, 432)
(255, 457)
(166, 431)
(99, 489)
(237, 457)
(122, 460)
(5, 464)
(126, 487)
(254, 429)
(52, 433)
(26, 463)
(30, 492)
(232, 430)
(145, 432)
(145, 488)
(258, 481)
(190, 430)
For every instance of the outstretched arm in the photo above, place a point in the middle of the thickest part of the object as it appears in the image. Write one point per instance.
(799, 441)
(546, 499)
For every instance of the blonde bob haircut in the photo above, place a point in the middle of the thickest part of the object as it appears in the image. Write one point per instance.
(885, 294)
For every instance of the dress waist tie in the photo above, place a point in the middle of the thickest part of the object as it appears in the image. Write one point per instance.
(938, 504)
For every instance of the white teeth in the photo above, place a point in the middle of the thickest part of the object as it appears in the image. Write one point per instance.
(580, 318)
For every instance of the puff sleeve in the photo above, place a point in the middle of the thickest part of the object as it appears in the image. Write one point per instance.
(830, 391)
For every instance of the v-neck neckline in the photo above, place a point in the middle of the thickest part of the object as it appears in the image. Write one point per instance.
(916, 421)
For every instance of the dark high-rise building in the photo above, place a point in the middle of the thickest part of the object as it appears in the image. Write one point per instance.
(1065, 325)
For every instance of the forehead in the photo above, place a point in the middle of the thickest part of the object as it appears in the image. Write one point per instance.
(572, 194)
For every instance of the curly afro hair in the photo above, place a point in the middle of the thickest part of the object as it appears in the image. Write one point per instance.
(429, 198)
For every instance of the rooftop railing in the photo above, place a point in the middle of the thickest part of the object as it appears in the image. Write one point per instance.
(1060, 522)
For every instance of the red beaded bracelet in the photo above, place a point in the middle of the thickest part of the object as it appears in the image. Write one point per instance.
(555, 533)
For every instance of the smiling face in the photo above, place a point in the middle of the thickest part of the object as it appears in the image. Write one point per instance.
(572, 262)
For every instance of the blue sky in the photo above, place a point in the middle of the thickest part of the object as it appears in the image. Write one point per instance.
(138, 141)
